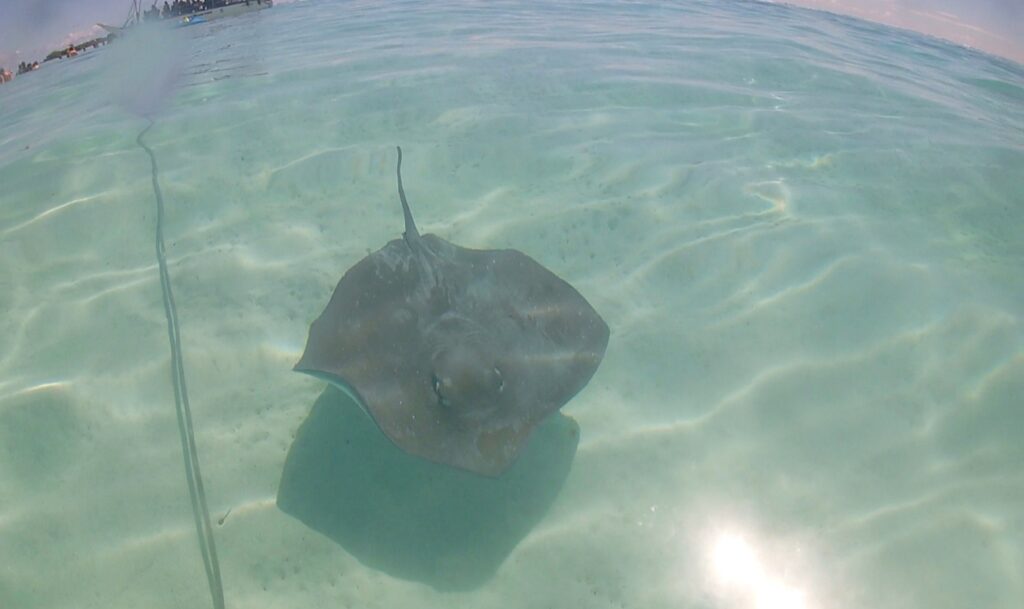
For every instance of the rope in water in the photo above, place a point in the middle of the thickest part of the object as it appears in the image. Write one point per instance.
(188, 443)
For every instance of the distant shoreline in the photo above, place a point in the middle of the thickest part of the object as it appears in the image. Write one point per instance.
(188, 11)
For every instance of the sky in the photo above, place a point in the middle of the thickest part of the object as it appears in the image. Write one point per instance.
(29, 29)
(36, 27)
(994, 26)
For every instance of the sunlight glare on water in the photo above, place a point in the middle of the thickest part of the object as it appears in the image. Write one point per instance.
(743, 576)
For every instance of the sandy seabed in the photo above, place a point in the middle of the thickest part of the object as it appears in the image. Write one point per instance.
(811, 396)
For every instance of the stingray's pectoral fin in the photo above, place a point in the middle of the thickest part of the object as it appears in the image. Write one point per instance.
(337, 382)
(499, 447)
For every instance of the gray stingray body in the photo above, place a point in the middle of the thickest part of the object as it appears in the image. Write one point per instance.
(456, 354)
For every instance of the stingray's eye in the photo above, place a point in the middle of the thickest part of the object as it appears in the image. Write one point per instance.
(436, 382)
(501, 380)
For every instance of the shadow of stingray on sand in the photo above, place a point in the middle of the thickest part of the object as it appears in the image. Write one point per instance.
(409, 517)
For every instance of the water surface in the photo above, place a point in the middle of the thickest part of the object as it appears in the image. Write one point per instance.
(803, 230)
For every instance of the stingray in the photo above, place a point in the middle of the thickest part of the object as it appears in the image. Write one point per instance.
(455, 353)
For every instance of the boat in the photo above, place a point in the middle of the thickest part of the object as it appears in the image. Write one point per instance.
(187, 13)
(228, 9)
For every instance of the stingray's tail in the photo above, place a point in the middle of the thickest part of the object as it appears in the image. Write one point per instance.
(411, 234)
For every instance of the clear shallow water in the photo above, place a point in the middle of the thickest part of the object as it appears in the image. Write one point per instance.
(804, 232)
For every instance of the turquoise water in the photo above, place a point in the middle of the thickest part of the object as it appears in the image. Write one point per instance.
(804, 231)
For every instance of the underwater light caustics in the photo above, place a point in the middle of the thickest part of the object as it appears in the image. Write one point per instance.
(742, 576)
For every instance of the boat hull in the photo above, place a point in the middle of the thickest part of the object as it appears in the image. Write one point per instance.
(229, 10)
